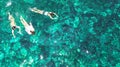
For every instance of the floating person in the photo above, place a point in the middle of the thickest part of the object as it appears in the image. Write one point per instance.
(52, 15)
(28, 27)
(13, 24)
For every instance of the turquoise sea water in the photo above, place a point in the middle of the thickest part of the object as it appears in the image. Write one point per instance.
(86, 34)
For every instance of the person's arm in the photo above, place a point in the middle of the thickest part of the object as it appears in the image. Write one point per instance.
(31, 24)
(23, 21)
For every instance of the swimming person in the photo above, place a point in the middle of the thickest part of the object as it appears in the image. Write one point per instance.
(28, 27)
(52, 15)
(13, 24)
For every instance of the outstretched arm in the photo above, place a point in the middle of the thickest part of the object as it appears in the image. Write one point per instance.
(23, 21)
(31, 24)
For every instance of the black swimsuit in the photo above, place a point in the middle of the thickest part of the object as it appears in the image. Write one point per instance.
(14, 27)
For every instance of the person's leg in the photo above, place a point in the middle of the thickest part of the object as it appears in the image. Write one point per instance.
(13, 34)
(19, 29)
(37, 10)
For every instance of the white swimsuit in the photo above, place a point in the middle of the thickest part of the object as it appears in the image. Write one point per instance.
(28, 29)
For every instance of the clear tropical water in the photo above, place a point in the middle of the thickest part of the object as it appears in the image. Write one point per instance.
(86, 34)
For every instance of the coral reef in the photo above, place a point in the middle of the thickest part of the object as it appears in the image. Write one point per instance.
(86, 34)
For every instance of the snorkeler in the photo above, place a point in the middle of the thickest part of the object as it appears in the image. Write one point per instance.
(13, 24)
(52, 15)
(28, 27)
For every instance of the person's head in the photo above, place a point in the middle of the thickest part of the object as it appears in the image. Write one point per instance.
(32, 32)
(30, 29)
(53, 15)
